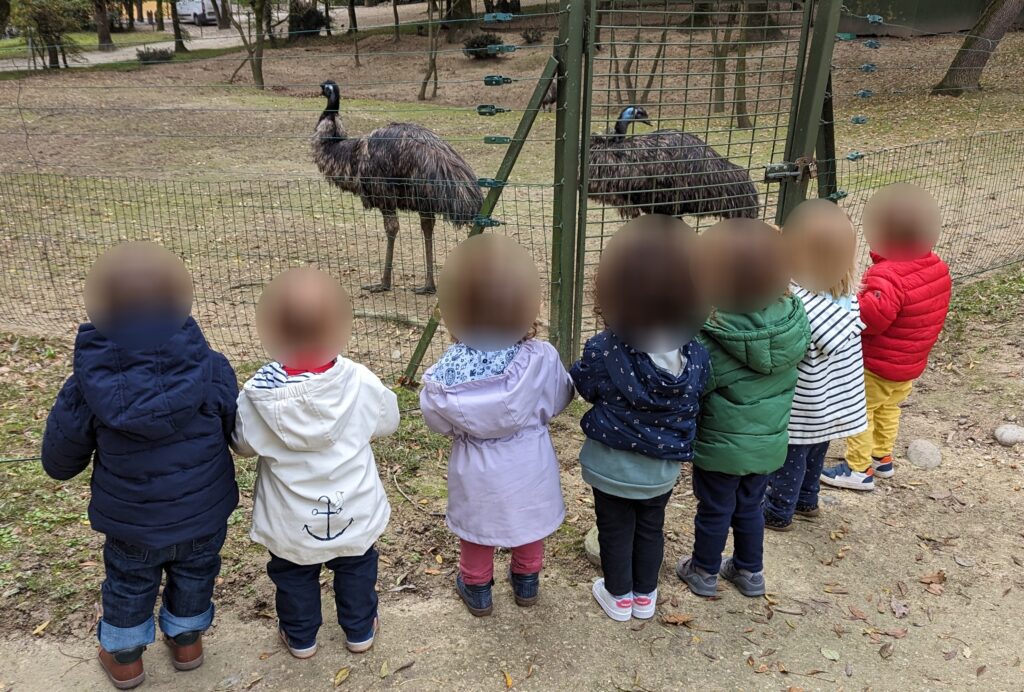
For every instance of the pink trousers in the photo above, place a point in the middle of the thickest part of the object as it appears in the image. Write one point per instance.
(476, 562)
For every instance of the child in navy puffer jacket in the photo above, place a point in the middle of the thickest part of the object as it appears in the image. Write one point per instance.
(153, 407)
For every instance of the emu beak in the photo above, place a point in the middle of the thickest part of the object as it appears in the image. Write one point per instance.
(646, 122)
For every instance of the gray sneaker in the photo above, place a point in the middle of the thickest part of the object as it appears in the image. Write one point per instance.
(750, 584)
(700, 582)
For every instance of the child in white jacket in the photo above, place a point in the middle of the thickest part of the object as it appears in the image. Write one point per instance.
(318, 498)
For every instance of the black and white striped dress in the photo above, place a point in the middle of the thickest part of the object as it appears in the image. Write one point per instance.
(829, 401)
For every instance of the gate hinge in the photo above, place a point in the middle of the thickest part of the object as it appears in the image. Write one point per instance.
(804, 168)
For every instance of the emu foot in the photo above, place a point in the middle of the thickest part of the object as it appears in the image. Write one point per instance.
(376, 288)
(427, 290)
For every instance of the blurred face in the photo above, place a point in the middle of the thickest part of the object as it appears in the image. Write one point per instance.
(649, 285)
(748, 264)
(138, 294)
(304, 318)
(902, 222)
(822, 244)
(489, 292)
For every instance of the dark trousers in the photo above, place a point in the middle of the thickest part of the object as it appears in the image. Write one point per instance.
(632, 541)
(298, 596)
(797, 482)
(133, 582)
(725, 501)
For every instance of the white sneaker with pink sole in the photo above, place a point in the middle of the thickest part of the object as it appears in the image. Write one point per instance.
(618, 608)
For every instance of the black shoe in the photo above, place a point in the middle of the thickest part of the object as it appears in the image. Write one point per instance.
(477, 597)
(807, 510)
(775, 524)
(525, 587)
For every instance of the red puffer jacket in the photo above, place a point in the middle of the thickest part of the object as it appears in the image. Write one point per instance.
(903, 304)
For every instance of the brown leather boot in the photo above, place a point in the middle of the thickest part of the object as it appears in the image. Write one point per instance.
(186, 650)
(124, 668)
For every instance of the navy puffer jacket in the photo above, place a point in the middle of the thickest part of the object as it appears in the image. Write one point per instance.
(159, 421)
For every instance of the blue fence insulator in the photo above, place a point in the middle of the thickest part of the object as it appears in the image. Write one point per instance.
(490, 109)
(498, 17)
(496, 80)
(838, 195)
(854, 156)
(869, 67)
(497, 139)
(873, 43)
(845, 36)
(859, 120)
(875, 19)
(865, 94)
(490, 182)
(501, 48)
(486, 222)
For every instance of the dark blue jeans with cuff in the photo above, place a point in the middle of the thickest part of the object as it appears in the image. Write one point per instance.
(797, 483)
(298, 596)
(133, 582)
(723, 502)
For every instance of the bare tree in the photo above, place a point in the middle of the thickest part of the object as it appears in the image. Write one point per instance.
(352, 25)
(964, 73)
(179, 34)
(431, 55)
(254, 45)
(101, 16)
(160, 15)
(223, 11)
(394, 9)
(459, 14)
(327, 14)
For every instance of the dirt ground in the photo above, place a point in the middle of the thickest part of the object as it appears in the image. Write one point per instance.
(918, 585)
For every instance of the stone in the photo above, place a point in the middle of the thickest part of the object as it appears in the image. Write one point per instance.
(924, 454)
(1009, 434)
(829, 500)
(592, 548)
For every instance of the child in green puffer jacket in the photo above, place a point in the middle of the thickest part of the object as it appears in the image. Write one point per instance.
(756, 337)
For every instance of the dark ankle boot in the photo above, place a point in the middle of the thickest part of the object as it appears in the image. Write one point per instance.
(525, 587)
(186, 650)
(124, 668)
(476, 597)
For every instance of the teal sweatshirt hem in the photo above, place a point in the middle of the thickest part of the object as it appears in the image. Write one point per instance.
(626, 474)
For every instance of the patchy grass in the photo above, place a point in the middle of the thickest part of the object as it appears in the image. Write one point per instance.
(87, 41)
(996, 299)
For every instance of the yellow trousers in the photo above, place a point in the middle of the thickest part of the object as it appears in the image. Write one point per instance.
(884, 398)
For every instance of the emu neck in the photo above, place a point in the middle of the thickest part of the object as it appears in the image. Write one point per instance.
(621, 127)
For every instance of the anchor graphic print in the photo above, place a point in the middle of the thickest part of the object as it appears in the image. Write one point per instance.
(329, 512)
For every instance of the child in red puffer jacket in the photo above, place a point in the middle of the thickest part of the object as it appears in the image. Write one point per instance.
(903, 299)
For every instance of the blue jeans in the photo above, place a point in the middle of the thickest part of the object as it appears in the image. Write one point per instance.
(725, 501)
(298, 596)
(133, 581)
(797, 482)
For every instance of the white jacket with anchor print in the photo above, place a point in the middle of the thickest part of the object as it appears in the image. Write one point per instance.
(318, 494)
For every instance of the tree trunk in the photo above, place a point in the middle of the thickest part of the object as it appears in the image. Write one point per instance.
(5, 14)
(459, 15)
(261, 8)
(102, 25)
(431, 55)
(222, 9)
(54, 54)
(139, 12)
(964, 73)
(760, 25)
(327, 14)
(129, 9)
(394, 10)
(179, 37)
(352, 26)
(160, 16)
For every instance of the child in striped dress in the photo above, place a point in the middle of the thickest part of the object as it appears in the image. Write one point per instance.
(829, 402)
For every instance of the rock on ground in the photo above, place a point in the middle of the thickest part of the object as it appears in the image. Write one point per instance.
(924, 454)
(1009, 434)
(592, 548)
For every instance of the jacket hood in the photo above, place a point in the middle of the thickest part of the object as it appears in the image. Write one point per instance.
(147, 393)
(311, 415)
(765, 341)
(494, 407)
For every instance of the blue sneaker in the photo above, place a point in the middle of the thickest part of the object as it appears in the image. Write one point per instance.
(842, 476)
(525, 588)
(883, 467)
(476, 597)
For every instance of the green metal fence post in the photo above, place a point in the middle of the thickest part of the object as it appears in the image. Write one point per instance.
(582, 205)
(825, 150)
(567, 170)
(803, 133)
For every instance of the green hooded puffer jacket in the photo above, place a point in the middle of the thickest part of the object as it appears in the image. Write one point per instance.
(747, 401)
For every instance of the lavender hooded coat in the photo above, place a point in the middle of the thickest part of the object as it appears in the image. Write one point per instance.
(503, 477)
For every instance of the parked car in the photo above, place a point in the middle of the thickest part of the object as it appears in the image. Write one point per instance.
(197, 11)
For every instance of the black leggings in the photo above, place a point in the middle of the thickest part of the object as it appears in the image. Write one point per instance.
(632, 541)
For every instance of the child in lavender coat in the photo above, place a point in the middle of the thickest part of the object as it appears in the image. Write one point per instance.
(494, 392)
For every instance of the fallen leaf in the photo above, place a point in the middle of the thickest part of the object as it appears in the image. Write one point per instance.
(763, 668)
(936, 589)
(508, 680)
(967, 652)
(830, 654)
(951, 654)
(529, 671)
(857, 613)
(384, 670)
(677, 618)
(249, 685)
(432, 571)
(38, 631)
(962, 561)
(342, 675)
(981, 671)
(901, 586)
(848, 670)
(936, 578)
(897, 633)
(438, 559)
(940, 494)
(899, 608)
(674, 601)
(886, 650)
(266, 654)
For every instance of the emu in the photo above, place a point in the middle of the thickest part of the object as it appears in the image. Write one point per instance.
(398, 167)
(666, 172)
(550, 96)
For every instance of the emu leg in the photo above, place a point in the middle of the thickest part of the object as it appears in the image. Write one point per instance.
(427, 226)
(391, 229)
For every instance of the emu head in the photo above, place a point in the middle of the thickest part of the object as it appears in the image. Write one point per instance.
(329, 89)
(631, 114)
